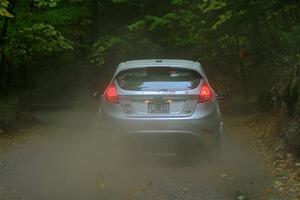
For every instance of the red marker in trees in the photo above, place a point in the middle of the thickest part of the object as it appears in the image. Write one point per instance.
(242, 54)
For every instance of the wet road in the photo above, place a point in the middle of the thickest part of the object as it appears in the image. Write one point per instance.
(66, 159)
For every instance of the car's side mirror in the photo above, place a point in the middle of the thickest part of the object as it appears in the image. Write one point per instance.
(221, 96)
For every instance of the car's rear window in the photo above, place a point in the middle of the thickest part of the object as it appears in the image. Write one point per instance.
(158, 79)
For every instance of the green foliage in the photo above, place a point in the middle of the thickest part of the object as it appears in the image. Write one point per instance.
(228, 15)
(178, 2)
(3, 8)
(180, 26)
(119, 48)
(61, 16)
(128, 2)
(40, 39)
(119, 1)
(46, 3)
(43, 33)
(37, 46)
(292, 37)
(286, 90)
(250, 43)
(138, 25)
(101, 48)
(212, 5)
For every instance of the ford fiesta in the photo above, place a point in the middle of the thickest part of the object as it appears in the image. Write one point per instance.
(163, 102)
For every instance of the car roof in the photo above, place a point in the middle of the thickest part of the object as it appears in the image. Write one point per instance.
(188, 64)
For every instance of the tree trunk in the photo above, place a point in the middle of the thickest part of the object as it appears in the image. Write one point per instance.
(94, 18)
(3, 35)
(2, 55)
(255, 33)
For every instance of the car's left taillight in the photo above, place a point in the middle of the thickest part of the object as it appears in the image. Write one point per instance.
(111, 94)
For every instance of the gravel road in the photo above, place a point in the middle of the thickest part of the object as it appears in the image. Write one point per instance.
(66, 159)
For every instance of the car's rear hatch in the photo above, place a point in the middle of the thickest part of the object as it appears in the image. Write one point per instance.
(158, 91)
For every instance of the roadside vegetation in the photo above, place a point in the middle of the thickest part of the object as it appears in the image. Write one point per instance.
(53, 50)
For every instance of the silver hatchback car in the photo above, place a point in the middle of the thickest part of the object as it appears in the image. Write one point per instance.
(165, 99)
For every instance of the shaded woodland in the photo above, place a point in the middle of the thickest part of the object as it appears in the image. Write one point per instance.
(53, 51)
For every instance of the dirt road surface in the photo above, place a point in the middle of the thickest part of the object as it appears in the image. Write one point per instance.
(65, 158)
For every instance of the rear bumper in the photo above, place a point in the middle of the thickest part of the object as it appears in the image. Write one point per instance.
(205, 128)
(195, 127)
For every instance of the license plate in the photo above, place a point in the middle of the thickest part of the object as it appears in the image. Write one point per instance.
(159, 107)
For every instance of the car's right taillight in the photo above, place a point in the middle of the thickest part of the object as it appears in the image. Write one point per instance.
(206, 93)
(111, 94)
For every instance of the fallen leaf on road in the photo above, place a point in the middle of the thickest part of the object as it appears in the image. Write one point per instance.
(223, 175)
(241, 197)
(268, 190)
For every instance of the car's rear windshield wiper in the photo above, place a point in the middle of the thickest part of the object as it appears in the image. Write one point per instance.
(161, 90)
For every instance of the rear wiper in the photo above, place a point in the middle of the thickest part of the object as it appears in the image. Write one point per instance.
(174, 89)
(161, 90)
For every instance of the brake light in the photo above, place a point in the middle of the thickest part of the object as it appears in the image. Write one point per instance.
(111, 94)
(205, 93)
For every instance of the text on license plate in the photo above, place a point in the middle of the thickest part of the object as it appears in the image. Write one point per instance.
(158, 107)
